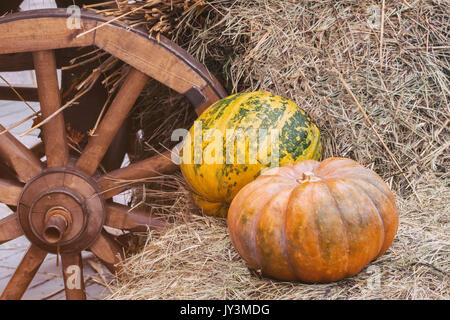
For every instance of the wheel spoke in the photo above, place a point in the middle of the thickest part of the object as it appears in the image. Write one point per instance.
(6, 172)
(10, 228)
(24, 273)
(18, 157)
(72, 265)
(10, 191)
(54, 133)
(108, 252)
(122, 179)
(118, 216)
(123, 102)
(38, 149)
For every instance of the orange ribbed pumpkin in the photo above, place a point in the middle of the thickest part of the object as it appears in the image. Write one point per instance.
(313, 221)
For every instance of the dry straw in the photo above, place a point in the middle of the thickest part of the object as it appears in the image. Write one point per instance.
(392, 56)
(397, 69)
(195, 259)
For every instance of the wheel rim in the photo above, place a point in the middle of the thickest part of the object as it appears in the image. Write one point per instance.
(63, 206)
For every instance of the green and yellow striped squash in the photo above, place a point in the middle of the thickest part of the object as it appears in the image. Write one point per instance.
(214, 185)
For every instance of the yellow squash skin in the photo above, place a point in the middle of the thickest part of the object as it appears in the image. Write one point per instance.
(214, 185)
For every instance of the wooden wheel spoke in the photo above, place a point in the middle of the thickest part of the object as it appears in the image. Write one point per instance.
(72, 265)
(38, 149)
(24, 274)
(123, 102)
(108, 252)
(10, 228)
(18, 157)
(10, 191)
(54, 132)
(119, 217)
(122, 179)
(31, 40)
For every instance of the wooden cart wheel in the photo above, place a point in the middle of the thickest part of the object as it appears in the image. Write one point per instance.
(62, 207)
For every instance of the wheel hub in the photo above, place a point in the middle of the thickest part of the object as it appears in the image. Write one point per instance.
(61, 210)
(58, 222)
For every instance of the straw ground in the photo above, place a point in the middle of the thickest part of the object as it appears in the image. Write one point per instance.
(195, 259)
(373, 75)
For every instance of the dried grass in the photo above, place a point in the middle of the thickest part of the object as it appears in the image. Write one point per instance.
(292, 48)
(196, 260)
(158, 112)
(397, 70)
(157, 16)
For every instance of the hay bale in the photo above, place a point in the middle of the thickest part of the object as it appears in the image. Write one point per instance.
(292, 47)
(395, 60)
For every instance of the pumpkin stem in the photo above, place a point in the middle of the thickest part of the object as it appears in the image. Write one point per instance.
(308, 176)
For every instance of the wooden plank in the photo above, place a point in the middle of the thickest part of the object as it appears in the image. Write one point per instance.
(10, 191)
(24, 273)
(54, 131)
(123, 102)
(24, 60)
(42, 34)
(38, 149)
(18, 157)
(160, 59)
(72, 265)
(119, 217)
(146, 55)
(122, 179)
(211, 97)
(108, 252)
(27, 93)
(10, 228)
(16, 62)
